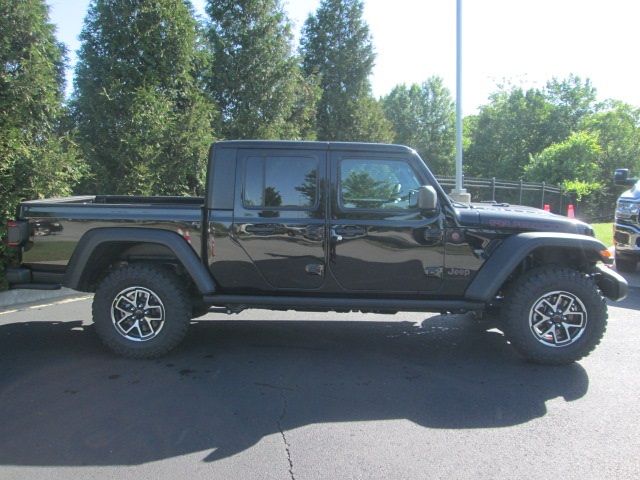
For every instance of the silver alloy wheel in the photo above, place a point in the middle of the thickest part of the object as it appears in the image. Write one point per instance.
(558, 319)
(137, 314)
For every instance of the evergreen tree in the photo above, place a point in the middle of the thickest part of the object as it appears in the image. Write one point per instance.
(144, 122)
(37, 155)
(423, 117)
(256, 80)
(336, 46)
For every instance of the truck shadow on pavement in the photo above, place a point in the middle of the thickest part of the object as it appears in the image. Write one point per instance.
(66, 401)
(632, 302)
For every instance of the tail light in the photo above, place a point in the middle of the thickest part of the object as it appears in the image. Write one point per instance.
(17, 233)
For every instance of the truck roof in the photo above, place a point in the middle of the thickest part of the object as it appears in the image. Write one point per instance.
(287, 144)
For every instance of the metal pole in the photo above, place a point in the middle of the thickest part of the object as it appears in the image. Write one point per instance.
(459, 193)
(458, 95)
(521, 185)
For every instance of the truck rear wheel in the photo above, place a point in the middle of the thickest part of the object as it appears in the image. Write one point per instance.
(141, 311)
(554, 315)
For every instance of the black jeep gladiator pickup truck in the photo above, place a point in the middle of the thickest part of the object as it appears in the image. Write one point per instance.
(315, 226)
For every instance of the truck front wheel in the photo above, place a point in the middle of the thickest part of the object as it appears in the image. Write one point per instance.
(141, 311)
(554, 315)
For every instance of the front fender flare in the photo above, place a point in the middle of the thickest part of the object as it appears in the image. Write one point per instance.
(514, 249)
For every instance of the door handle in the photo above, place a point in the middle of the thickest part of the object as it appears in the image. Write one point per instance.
(350, 231)
(260, 229)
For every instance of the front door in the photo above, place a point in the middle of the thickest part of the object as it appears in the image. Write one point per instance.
(279, 216)
(378, 239)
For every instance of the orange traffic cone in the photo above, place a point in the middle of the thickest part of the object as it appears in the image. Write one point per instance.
(571, 213)
(547, 208)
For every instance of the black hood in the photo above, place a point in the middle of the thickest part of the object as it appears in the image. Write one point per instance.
(520, 218)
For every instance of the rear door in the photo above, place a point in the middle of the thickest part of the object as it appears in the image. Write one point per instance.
(279, 215)
(378, 240)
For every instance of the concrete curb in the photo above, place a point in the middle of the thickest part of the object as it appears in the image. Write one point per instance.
(11, 298)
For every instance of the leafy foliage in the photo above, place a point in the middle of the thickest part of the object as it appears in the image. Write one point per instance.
(507, 131)
(423, 117)
(517, 124)
(580, 189)
(572, 99)
(559, 134)
(256, 80)
(144, 121)
(575, 158)
(38, 157)
(336, 46)
(617, 126)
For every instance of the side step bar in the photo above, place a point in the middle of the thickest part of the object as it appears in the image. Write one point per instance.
(324, 303)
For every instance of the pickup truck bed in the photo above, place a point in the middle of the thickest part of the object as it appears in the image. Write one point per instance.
(58, 224)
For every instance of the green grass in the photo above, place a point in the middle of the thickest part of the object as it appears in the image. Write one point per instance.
(604, 232)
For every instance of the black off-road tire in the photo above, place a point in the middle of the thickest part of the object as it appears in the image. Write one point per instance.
(165, 286)
(625, 264)
(525, 293)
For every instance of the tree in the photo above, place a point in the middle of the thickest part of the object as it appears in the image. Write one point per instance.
(336, 46)
(517, 124)
(423, 117)
(144, 123)
(617, 127)
(37, 154)
(256, 80)
(575, 158)
(507, 131)
(572, 100)
(574, 164)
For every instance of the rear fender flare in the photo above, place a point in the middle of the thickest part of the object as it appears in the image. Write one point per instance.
(75, 274)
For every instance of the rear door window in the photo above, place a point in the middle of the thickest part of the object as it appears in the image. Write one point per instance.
(280, 182)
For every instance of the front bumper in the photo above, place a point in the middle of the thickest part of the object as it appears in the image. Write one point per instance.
(612, 284)
(626, 238)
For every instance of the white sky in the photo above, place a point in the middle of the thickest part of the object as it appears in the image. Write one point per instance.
(525, 41)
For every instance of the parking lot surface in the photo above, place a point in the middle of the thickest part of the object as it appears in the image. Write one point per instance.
(284, 395)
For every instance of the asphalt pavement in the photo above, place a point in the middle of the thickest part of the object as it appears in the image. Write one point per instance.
(284, 395)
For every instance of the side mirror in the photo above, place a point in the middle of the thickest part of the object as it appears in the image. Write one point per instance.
(621, 178)
(427, 198)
